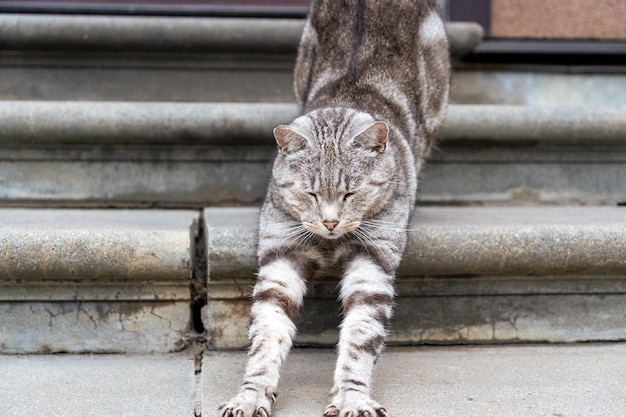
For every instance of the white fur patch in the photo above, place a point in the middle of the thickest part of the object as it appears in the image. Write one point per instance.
(308, 33)
(281, 271)
(365, 276)
(432, 29)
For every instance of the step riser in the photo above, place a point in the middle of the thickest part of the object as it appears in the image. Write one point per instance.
(266, 79)
(93, 327)
(422, 318)
(196, 176)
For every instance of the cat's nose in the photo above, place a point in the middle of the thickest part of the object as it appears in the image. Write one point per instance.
(330, 225)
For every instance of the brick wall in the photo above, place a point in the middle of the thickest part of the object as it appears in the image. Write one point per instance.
(559, 19)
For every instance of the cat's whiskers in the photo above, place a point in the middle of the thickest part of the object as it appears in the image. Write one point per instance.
(365, 236)
(386, 225)
(293, 233)
(358, 234)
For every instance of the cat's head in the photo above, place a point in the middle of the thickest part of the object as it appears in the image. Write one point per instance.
(334, 169)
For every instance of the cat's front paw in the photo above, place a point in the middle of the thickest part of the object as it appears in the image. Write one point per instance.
(365, 408)
(243, 408)
(249, 404)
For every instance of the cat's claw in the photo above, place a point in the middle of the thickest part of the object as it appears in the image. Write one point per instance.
(333, 411)
(229, 412)
(243, 409)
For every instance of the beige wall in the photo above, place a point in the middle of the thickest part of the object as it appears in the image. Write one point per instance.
(559, 19)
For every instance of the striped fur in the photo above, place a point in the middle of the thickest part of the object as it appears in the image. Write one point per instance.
(372, 80)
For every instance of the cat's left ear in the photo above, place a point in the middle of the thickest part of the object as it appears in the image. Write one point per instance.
(287, 140)
(374, 137)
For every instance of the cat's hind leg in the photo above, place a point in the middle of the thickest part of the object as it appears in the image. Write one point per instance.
(276, 300)
(367, 300)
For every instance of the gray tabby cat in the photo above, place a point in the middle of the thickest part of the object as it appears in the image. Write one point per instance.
(372, 78)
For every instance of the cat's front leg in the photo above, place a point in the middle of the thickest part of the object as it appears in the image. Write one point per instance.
(367, 298)
(276, 299)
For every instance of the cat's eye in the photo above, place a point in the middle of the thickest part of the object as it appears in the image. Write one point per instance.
(347, 195)
(313, 195)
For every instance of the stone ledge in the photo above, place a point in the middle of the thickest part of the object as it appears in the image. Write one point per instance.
(108, 245)
(448, 241)
(176, 34)
(236, 124)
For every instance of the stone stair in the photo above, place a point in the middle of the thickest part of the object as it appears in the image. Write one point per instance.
(96, 281)
(469, 275)
(134, 154)
(131, 172)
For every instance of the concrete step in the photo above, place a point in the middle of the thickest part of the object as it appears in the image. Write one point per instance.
(200, 154)
(49, 57)
(134, 281)
(469, 275)
(500, 381)
(95, 280)
(24, 31)
(64, 57)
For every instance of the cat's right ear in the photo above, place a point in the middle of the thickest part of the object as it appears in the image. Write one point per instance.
(374, 138)
(287, 140)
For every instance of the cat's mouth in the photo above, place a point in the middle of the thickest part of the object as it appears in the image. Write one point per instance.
(333, 235)
(331, 230)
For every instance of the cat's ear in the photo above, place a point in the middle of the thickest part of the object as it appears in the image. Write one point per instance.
(287, 140)
(374, 138)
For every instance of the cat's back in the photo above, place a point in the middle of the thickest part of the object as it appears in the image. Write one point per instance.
(386, 57)
(343, 23)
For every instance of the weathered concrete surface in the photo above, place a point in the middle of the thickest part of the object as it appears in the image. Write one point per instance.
(202, 78)
(487, 318)
(176, 34)
(517, 173)
(569, 125)
(516, 241)
(533, 381)
(537, 89)
(469, 275)
(102, 386)
(148, 33)
(168, 175)
(197, 176)
(95, 280)
(135, 123)
(104, 326)
(441, 319)
(95, 244)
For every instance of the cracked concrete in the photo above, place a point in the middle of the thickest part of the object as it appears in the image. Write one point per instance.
(93, 327)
